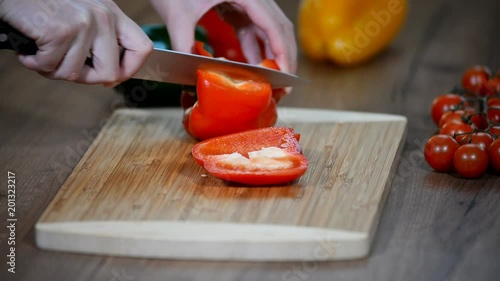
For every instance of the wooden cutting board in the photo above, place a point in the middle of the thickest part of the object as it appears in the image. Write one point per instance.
(138, 192)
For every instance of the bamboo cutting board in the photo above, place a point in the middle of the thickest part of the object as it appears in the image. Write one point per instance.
(138, 192)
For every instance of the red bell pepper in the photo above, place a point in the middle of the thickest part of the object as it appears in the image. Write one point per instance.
(199, 49)
(267, 156)
(222, 37)
(227, 106)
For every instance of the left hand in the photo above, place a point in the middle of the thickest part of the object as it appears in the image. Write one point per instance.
(252, 19)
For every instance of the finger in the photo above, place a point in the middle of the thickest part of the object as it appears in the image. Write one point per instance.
(74, 60)
(48, 57)
(180, 23)
(181, 18)
(136, 43)
(182, 34)
(267, 45)
(249, 44)
(105, 50)
(288, 41)
(292, 53)
(282, 40)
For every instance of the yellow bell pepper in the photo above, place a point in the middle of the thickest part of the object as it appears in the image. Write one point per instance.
(349, 32)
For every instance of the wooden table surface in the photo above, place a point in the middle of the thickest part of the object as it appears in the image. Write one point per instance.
(434, 226)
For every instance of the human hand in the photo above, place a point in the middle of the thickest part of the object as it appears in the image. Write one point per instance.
(68, 31)
(252, 19)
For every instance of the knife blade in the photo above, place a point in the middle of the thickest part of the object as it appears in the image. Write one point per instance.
(180, 68)
(169, 66)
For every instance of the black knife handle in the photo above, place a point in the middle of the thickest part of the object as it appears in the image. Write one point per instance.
(13, 39)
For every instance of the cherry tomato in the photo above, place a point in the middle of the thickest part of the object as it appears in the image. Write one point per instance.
(453, 129)
(486, 89)
(475, 77)
(494, 102)
(451, 117)
(494, 114)
(494, 84)
(479, 121)
(443, 104)
(482, 139)
(470, 161)
(494, 155)
(439, 151)
(495, 130)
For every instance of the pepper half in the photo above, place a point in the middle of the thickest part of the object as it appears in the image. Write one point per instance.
(268, 156)
(225, 106)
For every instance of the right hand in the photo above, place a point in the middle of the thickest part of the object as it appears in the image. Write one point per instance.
(67, 32)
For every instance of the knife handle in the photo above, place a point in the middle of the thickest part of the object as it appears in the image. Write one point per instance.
(13, 39)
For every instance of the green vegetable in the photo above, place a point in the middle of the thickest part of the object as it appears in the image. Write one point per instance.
(142, 93)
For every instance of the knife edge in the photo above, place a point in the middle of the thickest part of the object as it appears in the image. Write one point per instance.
(180, 68)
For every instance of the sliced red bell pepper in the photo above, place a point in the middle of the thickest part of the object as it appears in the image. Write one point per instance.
(267, 156)
(225, 106)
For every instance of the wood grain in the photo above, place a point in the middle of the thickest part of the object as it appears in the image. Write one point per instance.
(433, 227)
(138, 192)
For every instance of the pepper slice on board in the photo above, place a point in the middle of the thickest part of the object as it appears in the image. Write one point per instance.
(267, 156)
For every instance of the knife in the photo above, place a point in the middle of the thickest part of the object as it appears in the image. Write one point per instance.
(169, 66)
